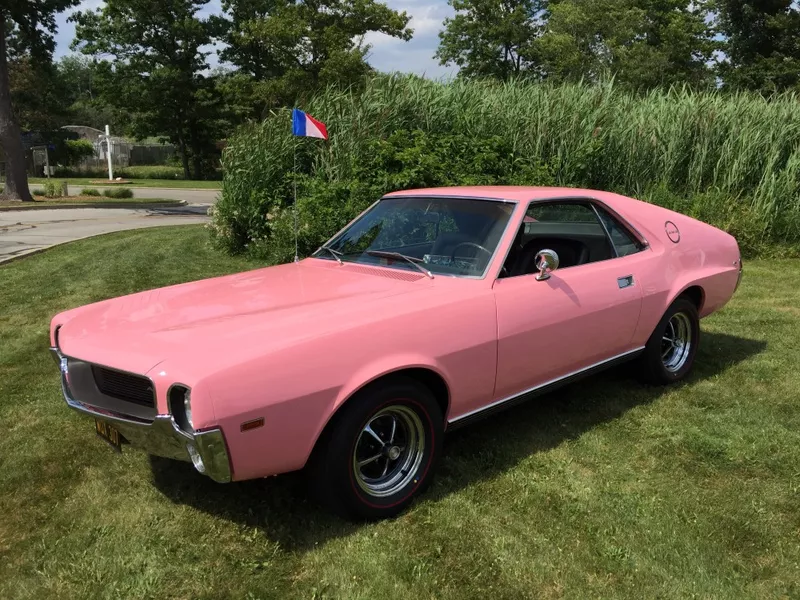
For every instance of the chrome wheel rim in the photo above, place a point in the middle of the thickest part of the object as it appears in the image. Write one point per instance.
(388, 451)
(676, 342)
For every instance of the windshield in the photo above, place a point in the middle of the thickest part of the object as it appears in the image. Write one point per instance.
(448, 236)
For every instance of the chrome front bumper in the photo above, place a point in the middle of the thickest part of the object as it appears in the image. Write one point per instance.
(161, 436)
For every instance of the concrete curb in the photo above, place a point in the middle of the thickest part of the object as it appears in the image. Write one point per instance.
(24, 206)
(138, 187)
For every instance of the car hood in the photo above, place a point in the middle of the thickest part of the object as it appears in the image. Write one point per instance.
(263, 310)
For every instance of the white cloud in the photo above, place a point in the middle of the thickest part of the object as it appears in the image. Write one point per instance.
(386, 54)
(416, 55)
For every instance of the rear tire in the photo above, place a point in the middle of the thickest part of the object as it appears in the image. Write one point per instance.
(380, 451)
(669, 354)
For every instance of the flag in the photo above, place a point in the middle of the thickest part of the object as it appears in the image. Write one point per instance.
(307, 126)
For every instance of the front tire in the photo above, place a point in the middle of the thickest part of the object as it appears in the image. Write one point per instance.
(380, 451)
(669, 354)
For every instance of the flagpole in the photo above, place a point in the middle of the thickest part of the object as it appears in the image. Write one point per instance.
(294, 181)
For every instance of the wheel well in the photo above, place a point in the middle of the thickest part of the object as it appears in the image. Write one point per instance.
(433, 381)
(430, 379)
(696, 295)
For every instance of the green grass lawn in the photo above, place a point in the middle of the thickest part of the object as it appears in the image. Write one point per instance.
(153, 183)
(73, 200)
(607, 488)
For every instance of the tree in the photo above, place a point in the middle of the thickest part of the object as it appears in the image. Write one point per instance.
(293, 47)
(157, 71)
(642, 43)
(37, 94)
(84, 104)
(24, 27)
(493, 38)
(763, 48)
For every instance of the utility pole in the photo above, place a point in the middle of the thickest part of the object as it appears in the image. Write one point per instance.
(108, 155)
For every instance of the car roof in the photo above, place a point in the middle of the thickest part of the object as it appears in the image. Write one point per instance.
(506, 192)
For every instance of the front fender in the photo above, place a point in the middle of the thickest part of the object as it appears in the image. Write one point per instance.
(386, 365)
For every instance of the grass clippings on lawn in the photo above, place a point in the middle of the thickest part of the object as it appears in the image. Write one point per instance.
(606, 489)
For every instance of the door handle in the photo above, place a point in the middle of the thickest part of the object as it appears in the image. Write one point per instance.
(624, 282)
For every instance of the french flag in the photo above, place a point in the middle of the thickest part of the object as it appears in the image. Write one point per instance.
(307, 126)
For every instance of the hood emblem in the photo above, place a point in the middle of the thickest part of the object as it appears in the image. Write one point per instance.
(673, 233)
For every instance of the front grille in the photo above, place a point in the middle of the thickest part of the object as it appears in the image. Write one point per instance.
(124, 386)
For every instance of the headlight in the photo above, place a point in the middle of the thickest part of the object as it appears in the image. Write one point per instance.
(187, 407)
(180, 406)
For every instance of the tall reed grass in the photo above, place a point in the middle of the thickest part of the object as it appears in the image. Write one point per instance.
(730, 159)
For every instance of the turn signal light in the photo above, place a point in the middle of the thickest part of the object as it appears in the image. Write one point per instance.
(254, 424)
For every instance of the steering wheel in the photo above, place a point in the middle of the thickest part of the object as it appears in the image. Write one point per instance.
(473, 244)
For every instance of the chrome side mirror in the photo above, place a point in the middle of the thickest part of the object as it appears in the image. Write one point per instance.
(546, 262)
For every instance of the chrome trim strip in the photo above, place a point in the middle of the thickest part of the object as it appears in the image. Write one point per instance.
(395, 195)
(162, 436)
(605, 229)
(545, 384)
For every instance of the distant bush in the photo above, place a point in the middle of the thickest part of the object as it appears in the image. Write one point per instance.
(731, 159)
(151, 172)
(90, 192)
(53, 188)
(118, 193)
(77, 150)
(37, 192)
(136, 172)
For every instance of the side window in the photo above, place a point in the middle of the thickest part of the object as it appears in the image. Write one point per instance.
(570, 229)
(560, 213)
(623, 242)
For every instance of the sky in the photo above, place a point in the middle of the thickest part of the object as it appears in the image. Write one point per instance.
(387, 54)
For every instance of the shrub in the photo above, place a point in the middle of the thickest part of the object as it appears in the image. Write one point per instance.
(77, 150)
(151, 172)
(730, 159)
(137, 172)
(118, 193)
(53, 188)
(90, 192)
(37, 192)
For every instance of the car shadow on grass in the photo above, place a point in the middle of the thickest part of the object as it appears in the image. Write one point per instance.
(281, 510)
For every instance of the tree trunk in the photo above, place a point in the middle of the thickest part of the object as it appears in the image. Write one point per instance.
(184, 156)
(197, 161)
(16, 185)
(197, 155)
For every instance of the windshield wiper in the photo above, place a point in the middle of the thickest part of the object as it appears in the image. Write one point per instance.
(410, 259)
(334, 253)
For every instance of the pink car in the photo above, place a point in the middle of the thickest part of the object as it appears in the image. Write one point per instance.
(433, 308)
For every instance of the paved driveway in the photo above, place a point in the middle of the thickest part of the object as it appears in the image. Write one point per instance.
(23, 232)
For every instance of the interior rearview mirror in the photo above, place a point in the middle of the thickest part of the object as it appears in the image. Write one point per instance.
(546, 262)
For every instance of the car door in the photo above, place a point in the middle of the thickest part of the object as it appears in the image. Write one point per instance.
(583, 314)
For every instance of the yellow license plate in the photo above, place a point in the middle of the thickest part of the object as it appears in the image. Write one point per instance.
(109, 434)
